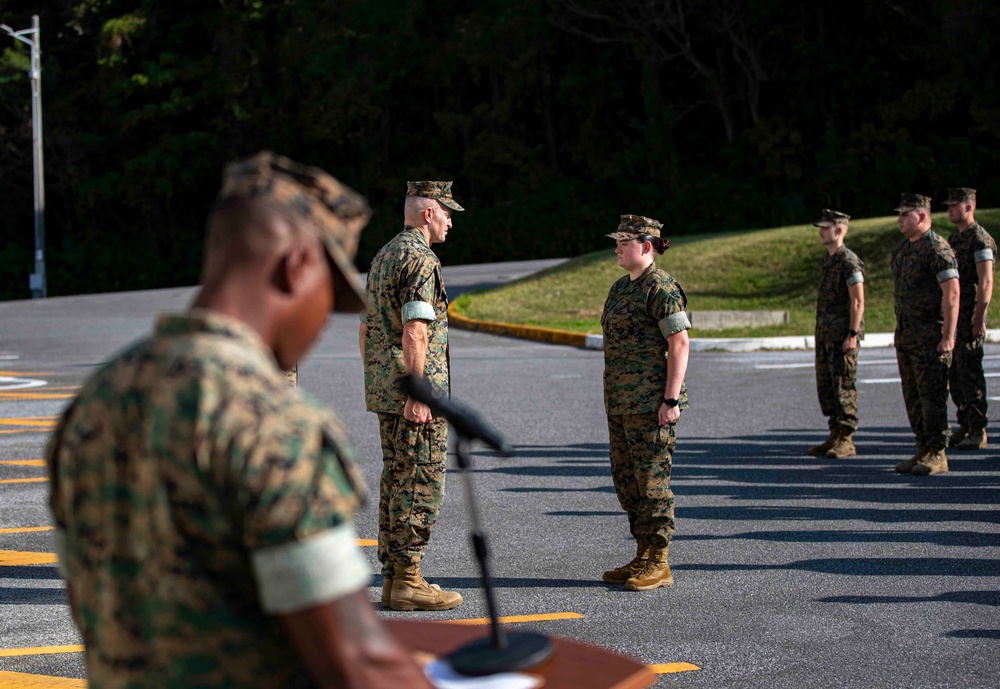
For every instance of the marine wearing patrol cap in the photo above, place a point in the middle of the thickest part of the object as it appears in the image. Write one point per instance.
(829, 218)
(440, 191)
(960, 195)
(633, 226)
(913, 202)
(333, 210)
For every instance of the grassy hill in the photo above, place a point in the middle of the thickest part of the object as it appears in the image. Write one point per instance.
(771, 269)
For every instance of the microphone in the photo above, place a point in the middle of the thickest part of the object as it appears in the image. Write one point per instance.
(466, 420)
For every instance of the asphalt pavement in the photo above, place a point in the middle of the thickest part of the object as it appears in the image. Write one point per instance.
(790, 571)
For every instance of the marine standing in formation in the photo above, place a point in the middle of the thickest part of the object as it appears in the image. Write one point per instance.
(406, 332)
(926, 306)
(975, 251)
(840, 310)
(645, 326)
(204, 509)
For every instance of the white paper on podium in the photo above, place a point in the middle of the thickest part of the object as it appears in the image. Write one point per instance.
(442, 676)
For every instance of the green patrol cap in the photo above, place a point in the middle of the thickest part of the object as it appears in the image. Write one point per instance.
(333, 210)
(634, 226)
(913, 202)
(960, 195)
(829, 218)
(434, 190)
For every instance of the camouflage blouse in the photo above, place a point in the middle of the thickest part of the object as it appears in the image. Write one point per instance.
(404, 283)
(919, 268)
(178, 462)
(971, 247)
(833, 303)
(639, 315)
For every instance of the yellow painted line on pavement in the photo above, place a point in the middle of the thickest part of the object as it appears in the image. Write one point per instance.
(10, 558)
(366, 541)
(26, 373)
(39, 651)
(29, 421)
(24, 462)
(24, 480)
(26, 529)
(22, 680)
(36, 395)
(544, 617)
(670, 668)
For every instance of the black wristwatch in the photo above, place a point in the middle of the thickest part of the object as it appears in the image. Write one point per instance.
(852, 333)
(670, 402)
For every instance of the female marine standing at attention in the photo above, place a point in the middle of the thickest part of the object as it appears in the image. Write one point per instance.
(644, 392)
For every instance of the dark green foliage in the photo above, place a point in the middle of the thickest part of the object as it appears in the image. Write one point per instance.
(552, 117)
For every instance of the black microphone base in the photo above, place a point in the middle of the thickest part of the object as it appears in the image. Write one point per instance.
(481, 657)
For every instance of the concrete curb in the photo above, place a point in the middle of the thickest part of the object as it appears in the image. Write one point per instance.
(698, 344)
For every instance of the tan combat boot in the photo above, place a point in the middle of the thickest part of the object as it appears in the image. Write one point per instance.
(843, 446)
(823, 447)
(619, 575)
(906, 466)
(410, 591)
(654, 572)
(931, 463)
(386, 591)
(958, 436)
(975, 440)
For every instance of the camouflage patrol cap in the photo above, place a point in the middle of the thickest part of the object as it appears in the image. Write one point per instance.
(913, 202)
(960, 195)
(829, 218)
(634, 226)
(336, 212)
(434, 190)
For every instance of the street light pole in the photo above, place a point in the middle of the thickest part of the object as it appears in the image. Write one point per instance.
(37, 279)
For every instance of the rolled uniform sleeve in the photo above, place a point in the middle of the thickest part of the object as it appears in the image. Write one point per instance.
(983, 255)
(668, 305)
(944, 263)
(298, 493)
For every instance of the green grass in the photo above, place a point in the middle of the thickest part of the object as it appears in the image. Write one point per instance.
(773, 269)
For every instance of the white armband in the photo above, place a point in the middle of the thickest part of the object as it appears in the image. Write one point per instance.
(303, 574)
(945, 275)
(984, 255)
(418, 310)
(674, 323)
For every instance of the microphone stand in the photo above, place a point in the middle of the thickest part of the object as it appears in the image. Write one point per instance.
(501, 651)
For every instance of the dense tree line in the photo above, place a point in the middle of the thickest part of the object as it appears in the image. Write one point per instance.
(551, 116)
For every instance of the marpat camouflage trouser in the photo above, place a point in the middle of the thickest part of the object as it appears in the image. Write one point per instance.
(968, 384)
(836, 384)
(641, 456)
(924, 375)
(412, 487)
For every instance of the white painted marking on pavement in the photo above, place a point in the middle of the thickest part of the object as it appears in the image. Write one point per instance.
(11, 383)
(811, 364)
(896, 380)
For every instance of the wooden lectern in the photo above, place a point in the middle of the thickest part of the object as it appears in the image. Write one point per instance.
(573, 665)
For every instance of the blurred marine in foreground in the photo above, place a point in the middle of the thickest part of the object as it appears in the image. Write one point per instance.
(204, 509)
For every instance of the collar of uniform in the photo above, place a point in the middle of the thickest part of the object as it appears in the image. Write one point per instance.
(203, 321)
(649, 269)
(414, 230)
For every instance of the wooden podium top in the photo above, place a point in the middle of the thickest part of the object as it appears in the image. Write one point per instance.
(573, 665)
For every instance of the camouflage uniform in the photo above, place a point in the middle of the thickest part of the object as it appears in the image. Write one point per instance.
(405, 283)
(638, 317)
(194, 491)
(968, 384)
(919, 268)
(837, 371)
(196, 494)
